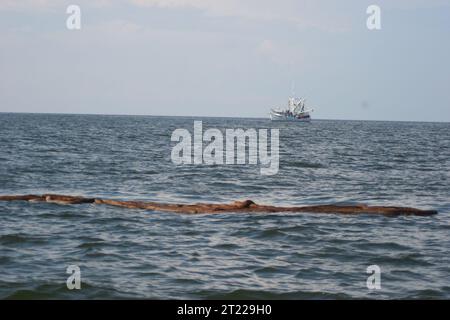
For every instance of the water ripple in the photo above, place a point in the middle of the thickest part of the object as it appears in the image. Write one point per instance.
(136, 253)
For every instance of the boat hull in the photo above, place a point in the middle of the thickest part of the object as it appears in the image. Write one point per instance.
(281, 117)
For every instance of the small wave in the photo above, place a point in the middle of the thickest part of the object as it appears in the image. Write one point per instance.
(271, 234)
(272, 271)
(303, 164)
(241, 294)
(226, 246)
(90, 245)
(58, 290)
(429, 294)
(11, 239)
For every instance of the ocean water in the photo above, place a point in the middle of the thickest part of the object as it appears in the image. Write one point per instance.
(128, 253)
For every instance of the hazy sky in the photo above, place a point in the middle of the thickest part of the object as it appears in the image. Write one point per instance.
(227, 58)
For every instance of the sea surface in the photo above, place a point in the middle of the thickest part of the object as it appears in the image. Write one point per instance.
(130, 253)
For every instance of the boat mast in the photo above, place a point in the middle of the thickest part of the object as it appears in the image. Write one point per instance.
(291, 104)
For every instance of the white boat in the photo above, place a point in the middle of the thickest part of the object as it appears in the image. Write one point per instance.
(296, 111)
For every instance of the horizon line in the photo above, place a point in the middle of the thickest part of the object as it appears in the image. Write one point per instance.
(200, 116)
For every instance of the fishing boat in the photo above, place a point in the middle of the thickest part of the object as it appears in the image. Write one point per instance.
(296, 111)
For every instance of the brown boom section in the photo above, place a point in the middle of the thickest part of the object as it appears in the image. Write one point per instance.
(237, 206)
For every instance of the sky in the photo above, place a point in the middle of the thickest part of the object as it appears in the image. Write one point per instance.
(235, 58)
